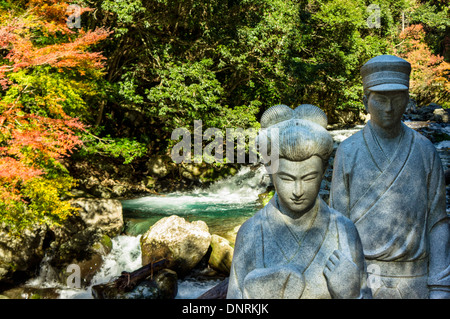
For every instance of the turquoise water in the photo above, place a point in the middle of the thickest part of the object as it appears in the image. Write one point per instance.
(142, 213)
(223, 206)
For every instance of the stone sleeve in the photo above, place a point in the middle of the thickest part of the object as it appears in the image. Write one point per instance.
(339, 192)
(243, 260)
(349, 233)
(438, 227)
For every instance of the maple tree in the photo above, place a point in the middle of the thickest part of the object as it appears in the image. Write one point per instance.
(47, 75)
(430, 72)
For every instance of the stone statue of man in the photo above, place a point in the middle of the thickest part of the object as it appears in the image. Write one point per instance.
(388, 179)
(296, 246)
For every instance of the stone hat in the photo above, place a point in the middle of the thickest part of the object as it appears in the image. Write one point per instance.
(386, 73)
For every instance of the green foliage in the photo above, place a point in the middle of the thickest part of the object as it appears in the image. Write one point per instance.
(265, 198)
(41, 203)
(186, 92)
(44, 199)
(45, 91)
(124, 148)
(177, 61)
(436, 20)
(125, 12)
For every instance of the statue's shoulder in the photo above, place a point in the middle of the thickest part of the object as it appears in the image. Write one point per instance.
(250, 226)
(421, 141)
(247, 236)
(343, 221)
(350, 144)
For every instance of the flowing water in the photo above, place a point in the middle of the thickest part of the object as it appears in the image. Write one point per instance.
(223, 206)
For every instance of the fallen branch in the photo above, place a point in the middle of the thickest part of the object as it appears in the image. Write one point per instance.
(128, 280)
(219, 291)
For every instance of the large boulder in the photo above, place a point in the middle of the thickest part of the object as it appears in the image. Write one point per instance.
(84, 239)
(104, 215)
(21, 254)
(221, 254)
(76, 239)
(163, 285)
(183, 243)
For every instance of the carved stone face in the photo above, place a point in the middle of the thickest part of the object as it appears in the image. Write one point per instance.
(386, 108)
(298, 184)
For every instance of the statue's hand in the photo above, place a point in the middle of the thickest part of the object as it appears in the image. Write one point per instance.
(278, 282)
(342, 276)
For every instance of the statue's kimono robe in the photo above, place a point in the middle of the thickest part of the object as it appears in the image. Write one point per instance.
(266, 241)
(394, 205)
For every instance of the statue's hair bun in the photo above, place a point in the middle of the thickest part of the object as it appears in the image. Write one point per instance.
(280, 113)
(297, 133)
(276, 114)
(311, 113)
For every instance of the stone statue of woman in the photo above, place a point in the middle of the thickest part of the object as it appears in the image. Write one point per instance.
(296, 246)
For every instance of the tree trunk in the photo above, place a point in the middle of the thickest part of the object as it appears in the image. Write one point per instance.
(100, 113)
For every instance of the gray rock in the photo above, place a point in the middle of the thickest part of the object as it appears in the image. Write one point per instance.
(105, 215)
(80, 237)
(221, 254)
(441, 115)
(163, 285)
(22, 252)
(157, 166)
(83, 239)
(181, 242)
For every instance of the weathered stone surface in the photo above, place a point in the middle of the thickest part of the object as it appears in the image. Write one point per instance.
(441, 115)
(157, 166)
(21, 253)
(77, 238)
(82, 239)
(173, 238)
(231, 235)
(90, 265)
(221, 254)
(102, 214)
(167, 284)
(388, 179)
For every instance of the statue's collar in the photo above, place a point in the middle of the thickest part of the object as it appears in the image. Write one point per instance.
(294, 241)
